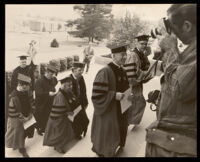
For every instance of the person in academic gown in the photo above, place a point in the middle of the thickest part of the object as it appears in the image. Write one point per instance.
(25, 69)
(136, 66)
(44, 95)
(109, 124)
(59, 130)
(19, 111)
(81, 121)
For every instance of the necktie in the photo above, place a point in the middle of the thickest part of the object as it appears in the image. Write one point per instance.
(77, 88)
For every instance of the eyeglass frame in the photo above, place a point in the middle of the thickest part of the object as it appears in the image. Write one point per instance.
(167, 25)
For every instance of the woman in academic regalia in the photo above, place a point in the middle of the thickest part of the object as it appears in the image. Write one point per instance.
(59, 128)
(19, 112)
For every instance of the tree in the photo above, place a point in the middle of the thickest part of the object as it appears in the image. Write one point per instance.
(126, 28)
(95, 21)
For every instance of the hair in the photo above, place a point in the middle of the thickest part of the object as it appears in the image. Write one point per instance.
(48, 70)
(20, 82)
(183, 12)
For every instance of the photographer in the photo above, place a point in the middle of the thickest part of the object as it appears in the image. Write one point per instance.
(173, 134)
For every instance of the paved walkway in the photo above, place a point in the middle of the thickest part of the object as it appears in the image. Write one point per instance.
(135, 144)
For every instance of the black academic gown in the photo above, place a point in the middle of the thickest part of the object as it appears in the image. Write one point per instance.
(81, 120)
(122, 85)
(43, 101)
(28, 71)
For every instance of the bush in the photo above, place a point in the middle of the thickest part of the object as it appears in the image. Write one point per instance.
(76, 58)
(69, 62)
(54, 43)
(63, 64)
(43, 68)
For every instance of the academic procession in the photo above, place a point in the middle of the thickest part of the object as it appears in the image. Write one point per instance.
(100, 103)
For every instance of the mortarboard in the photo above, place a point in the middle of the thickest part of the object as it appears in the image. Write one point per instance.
(65, 79)
(52, 68)
(24, 78)
(23, 57)
(142, 37)
(78, 65)
(118, 47)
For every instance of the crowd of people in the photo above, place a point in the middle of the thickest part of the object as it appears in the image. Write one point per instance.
(60, 114)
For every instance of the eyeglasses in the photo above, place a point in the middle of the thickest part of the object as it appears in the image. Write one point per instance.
(167, 25)
(145, 44)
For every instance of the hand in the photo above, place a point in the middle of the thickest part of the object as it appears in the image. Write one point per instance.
(147, 78)
(168, 42)
(52, 93)
(119, 96)
(131, 97)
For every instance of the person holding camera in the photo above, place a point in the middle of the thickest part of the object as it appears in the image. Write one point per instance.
(19, 112)
(136, 67)
(174, 133)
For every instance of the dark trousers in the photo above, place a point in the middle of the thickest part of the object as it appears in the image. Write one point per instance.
(87, 66)
(123, 126)
(80, 123)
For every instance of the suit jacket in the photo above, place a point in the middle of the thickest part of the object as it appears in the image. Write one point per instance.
(82, 90)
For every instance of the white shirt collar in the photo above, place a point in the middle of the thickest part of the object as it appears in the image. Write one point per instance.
(116, 64)
(74, 76)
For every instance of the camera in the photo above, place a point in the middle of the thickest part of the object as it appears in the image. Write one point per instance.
(161, 30)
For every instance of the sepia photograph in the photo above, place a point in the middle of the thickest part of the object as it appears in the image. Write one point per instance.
(100, 80)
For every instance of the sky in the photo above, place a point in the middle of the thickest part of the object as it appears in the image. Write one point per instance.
(65, 11)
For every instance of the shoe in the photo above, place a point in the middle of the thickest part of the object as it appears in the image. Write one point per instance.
(59, 150)
(39, 132)
(78, 137)
(84, 133)
(23, 152)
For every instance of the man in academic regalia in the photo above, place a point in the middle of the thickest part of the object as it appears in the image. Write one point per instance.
(136, 67)
(19, 111)
(109, 124)
(25, 69)
(44, 92)
(81, 120)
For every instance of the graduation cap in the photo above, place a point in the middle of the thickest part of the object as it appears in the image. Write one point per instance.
(22, 57)
(142, 37)
(78, 65)
(65, 79)
(52, 68)
(24, 78)
(118, 47)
